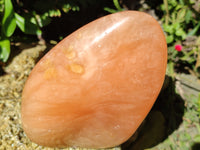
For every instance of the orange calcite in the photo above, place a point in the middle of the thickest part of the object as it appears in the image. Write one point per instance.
(95, 87)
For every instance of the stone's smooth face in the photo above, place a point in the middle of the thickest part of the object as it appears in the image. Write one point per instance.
(96, 86)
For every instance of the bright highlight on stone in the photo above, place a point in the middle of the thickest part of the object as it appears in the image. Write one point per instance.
(95, 87)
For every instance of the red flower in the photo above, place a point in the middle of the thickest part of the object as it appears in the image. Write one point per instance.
(178, 47)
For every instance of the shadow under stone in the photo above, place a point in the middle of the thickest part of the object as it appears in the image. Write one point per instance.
(163, 119)
(196, 146)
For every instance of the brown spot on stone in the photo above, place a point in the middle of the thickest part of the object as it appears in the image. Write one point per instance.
(76, 68)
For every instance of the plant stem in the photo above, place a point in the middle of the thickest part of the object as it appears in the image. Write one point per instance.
(116, 3)
(167, 12)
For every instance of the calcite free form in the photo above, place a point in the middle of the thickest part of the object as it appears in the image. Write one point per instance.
(96, 86)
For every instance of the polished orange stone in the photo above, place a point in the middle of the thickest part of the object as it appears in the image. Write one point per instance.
(95, 87)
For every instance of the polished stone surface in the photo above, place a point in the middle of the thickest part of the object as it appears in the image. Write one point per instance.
(96, 86)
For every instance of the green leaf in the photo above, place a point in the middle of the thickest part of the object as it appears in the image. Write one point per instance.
(178, 7)
(181, 15)
(27, 26)
(110, 10)
(8, 22)
(188, 16)
(182, 2)
(174, 3)
(197, 138)
(66, 8)
(169, 39)
(194, 31)
(170, 69)
(117, 6)
(180, 32)
(1, 6)
(168, 28)
(42, 20)
(4, 49)
(192, 2)
(54, 13)
(116, 3)
(176, 26)
(162, 7)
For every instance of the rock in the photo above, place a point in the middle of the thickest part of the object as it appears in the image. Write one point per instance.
(188, 86)
(95, 87)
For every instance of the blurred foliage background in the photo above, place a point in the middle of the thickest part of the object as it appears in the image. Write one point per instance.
(49, 21)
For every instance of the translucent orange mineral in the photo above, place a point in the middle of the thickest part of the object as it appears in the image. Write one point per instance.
(96, 86)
